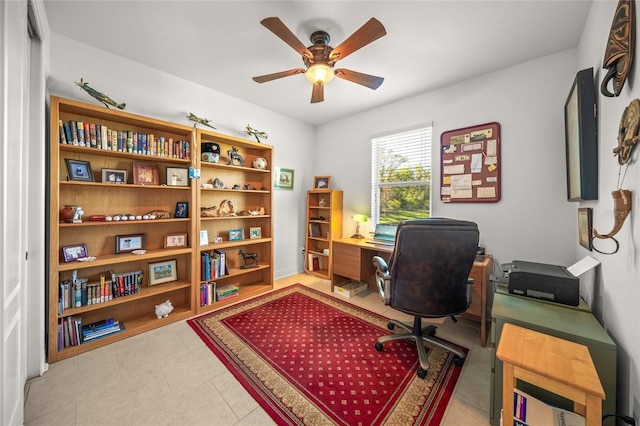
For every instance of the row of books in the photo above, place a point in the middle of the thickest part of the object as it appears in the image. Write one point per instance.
(315, 262)
(71, 332)
(91, 135)
(213, 265)
(78, 293)
(210, 292)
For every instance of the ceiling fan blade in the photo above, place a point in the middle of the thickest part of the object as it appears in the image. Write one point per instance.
(277, 75)
(276, 26)
(317, 95)
(370, 81)
(369, 32)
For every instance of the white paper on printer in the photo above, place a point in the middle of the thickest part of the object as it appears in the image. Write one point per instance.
(587, 280)
(583, 265)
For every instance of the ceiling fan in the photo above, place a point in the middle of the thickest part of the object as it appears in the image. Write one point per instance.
(320, 58)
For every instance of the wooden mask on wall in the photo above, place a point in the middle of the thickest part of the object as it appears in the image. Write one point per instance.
(618, 55)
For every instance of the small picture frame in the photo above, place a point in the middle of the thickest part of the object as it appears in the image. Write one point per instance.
(255, 232)
(74, 252)
(182, 210)
(217, 240)
(129, 243)
(175, 240)
(236, 235)
(162, 272)
(114, 176)
(322, 182)
(585, 227)
(204, 237)
(145, 174)
(79, 170)
(177, 176)
(283, 178)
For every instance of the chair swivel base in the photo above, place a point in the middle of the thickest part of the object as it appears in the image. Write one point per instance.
(419, 335)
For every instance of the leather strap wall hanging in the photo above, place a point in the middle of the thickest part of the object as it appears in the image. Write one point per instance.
(618, 55)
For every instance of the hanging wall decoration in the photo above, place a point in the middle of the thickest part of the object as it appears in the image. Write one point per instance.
(627, 139)
(618, 55)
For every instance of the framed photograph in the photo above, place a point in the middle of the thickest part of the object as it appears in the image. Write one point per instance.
(255, 232)
(217, 239)
(177, 176)
(162, 272)
(129, 243)
(236, 235)
(145, 174)
(322, 182)
(585, 227)
(79, 170)
(581, 138)
(182, 210)
(283, 178)
(175, 240)
(114, 176)
(74, 252)
(204, 237)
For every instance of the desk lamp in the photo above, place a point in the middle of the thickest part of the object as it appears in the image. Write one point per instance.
(358, 218)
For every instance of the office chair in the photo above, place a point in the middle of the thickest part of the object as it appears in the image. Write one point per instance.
(428, 277)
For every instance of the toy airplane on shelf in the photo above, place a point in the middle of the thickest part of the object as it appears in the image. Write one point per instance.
(198, 120)
(99, 95)
(256, 133)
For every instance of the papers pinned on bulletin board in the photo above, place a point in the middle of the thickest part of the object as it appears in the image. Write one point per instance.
(470, 164)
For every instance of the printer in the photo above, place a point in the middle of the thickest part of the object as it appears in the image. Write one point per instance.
(542, 281)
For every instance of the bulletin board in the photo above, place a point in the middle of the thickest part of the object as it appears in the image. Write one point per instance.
(470, 164)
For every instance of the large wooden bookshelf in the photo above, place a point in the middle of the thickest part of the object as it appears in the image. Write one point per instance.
(98, 198)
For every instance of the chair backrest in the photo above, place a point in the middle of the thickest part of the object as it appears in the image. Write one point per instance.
(430, 265)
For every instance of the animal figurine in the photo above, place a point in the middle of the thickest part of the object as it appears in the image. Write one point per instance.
(250, 259)
(77, 215)
(99, 95)
(256, 133)
(234, 156)
(198, 120)
(164, 309)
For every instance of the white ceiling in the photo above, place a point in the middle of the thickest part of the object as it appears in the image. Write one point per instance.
(221, 44)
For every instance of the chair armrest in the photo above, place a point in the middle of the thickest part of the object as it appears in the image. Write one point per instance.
(383, 279)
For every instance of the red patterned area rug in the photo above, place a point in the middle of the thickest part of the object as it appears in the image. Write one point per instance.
(309, 358)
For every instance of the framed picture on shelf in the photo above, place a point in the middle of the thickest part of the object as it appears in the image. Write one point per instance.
(585, 227)
(182, 210)
(162, 272)
(236, 235)
(175, 240)
(129, 243)
(283, 178)
(145, 174)
(74, 252)
(79, 170)
(204, 237)
(217, 240)
(114, 176)
(322, 182)
(255, 232)
(177, 176)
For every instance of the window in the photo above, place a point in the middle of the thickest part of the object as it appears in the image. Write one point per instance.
(401, 176)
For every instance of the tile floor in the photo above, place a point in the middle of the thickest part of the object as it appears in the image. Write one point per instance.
(169, 377)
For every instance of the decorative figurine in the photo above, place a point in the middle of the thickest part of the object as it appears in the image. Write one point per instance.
(198, 120)
(250, 259)
(233, 155)
(77, 215)
(226, 208)
(99, 95)
(256, 133)
(260, 163)
(217, 183)
(164, 309)
(618, 55)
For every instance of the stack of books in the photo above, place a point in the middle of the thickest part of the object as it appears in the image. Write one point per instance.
(102, 328)
(226, 292)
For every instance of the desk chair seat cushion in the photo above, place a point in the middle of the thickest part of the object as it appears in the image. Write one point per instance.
(430, 266)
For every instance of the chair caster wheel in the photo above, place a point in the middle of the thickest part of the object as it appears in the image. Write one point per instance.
(378, 346)
(432, 332)
(391, 326)
(457, 360)
(422, 373)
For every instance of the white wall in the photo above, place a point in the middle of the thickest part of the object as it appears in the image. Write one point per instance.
(152, 93)
(617, 290)
(533, 221)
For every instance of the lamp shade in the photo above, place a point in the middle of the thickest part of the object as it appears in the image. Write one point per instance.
(319, 73)
(360, 217)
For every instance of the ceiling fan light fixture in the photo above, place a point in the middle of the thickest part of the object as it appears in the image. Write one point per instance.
(319, 73)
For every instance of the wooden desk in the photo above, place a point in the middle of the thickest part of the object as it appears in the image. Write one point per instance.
(557, 365)
(351, 260)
